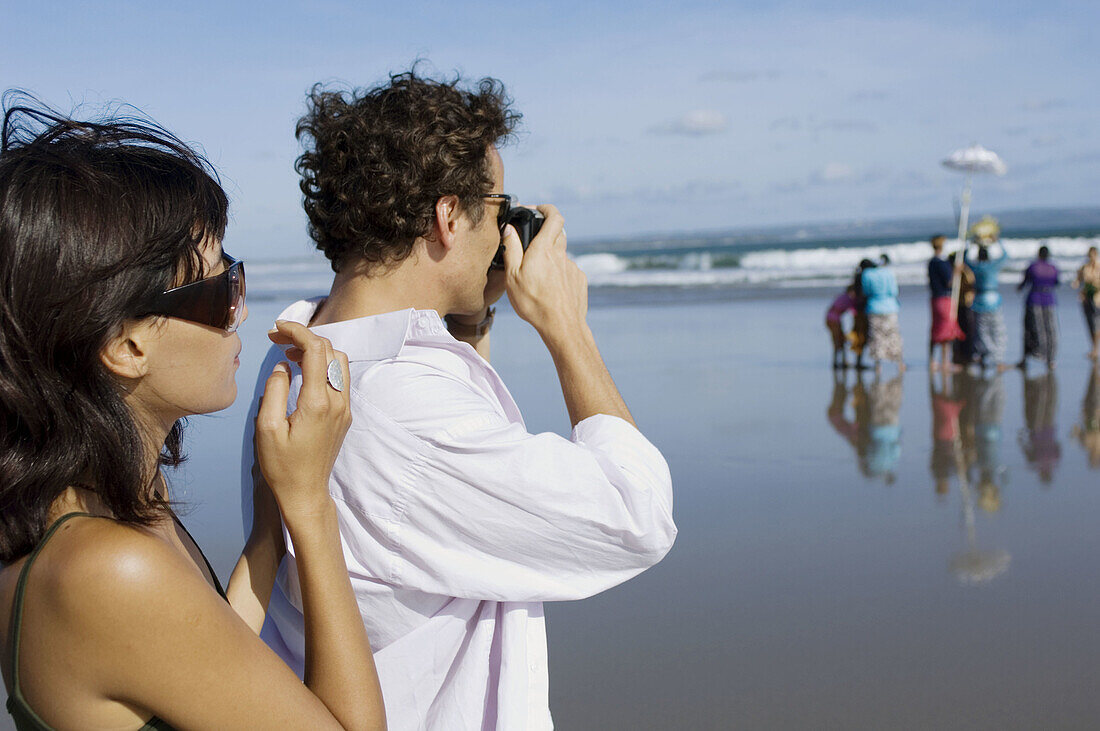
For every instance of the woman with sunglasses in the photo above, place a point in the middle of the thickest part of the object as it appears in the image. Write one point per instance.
(118, 312)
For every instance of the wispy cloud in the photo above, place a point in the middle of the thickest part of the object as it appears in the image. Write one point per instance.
(741, 77)
(785, 123)
(1042, 105)
(688, 190)
(796, 124)
(847, 125)
(869, 95)
(844, 174)
(834, 172)
(696, 123)
(1047, 140)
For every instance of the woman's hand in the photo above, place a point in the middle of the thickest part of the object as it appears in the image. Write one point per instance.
(296, 452)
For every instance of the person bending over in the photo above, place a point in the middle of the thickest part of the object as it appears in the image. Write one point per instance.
(457, 522)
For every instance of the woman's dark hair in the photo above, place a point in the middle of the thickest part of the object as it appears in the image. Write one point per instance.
(1044, 252)
(95, 219)
(377, 160)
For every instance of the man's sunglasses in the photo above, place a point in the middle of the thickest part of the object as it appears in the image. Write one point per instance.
(507, 202)
(217, 301)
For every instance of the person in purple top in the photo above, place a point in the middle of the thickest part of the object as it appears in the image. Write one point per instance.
(844, 303)
(1040, 316)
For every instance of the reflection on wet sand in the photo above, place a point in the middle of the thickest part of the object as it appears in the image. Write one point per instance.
(874, 430)
(947, 451)
(967, 411)
(966, 435)
(989, 401)
(1087, 433)
(1039, 438)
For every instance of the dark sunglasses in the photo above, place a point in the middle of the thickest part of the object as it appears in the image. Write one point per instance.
(217, 301)
(507, 202)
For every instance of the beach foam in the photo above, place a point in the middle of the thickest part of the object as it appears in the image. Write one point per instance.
(796, 265)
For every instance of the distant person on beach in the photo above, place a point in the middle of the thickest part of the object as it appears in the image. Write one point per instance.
(457, 522)
(844, 303)
(991, 342)
(118, 321)
(945, 327)
(963, 348)
(1087, 282)
(880, 288)
(1040, 315)
(857, 338)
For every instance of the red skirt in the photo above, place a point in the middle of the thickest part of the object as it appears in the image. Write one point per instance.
(945, 326)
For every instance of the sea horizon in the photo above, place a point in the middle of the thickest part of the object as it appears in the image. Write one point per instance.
(797, 256)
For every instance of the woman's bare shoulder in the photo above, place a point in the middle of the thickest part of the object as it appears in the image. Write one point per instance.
(95, 569)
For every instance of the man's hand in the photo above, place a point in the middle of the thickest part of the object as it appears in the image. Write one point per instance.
(551, 292)
(544, 286)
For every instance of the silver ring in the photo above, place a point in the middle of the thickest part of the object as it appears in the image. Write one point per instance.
(335, 375)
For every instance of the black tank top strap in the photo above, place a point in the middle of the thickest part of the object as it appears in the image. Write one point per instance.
(21, 588)
(205, 560)
(24, 716)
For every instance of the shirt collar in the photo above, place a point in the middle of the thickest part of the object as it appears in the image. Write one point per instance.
(374, 337)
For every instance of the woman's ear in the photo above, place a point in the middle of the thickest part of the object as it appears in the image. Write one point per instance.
(126, 353)
(445, 224)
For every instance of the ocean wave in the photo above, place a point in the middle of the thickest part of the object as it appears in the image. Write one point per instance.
(723, 267)
(807, 267)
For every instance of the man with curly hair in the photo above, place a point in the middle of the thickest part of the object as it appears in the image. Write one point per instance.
(457, 522)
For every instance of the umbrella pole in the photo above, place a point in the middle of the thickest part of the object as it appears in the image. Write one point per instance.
(956, 279)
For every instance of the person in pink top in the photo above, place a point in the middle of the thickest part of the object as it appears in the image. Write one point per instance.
(845, 302)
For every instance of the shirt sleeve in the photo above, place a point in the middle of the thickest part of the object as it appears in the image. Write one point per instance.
(486, 510)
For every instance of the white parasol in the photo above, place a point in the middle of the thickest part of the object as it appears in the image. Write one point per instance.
(970, 160)
(975, 159)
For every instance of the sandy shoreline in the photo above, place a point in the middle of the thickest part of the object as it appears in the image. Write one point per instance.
(801, 591)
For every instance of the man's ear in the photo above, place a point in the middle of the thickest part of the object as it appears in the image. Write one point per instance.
(126, 353)
(447, 214)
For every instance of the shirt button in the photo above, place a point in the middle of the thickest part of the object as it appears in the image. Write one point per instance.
(422, 322)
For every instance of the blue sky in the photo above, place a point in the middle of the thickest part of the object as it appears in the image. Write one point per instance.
(639, 117)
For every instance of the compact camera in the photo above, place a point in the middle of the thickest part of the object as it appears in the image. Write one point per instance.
(526, 222)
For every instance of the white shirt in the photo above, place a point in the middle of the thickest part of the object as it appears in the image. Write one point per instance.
(457, 523)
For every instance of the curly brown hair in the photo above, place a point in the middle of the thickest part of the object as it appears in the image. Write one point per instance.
(377, 160)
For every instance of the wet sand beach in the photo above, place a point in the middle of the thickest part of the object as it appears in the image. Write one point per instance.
(832, 570)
